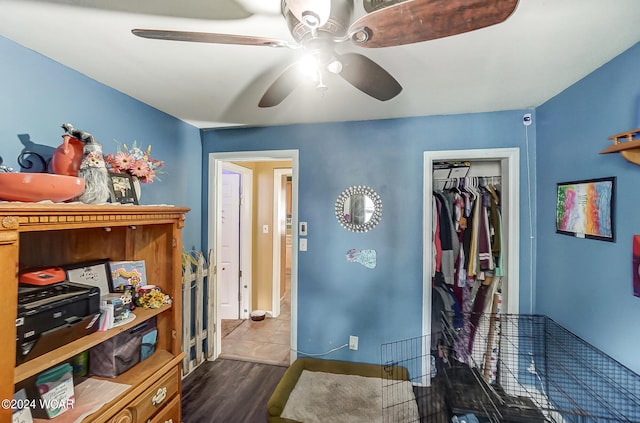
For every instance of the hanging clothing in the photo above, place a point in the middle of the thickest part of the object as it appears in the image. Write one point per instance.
(494, 204)
(472, 266)
(485, 253)
(448, 238)
(437, 244)
(468, 244)
(499, 259)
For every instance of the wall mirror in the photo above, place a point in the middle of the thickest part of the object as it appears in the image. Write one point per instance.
(359, 208)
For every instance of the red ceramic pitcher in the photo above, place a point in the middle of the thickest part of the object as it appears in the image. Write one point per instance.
(67, 157)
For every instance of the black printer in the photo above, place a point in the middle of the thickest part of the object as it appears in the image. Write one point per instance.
(53, 315)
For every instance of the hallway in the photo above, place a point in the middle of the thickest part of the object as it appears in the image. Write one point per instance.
(265, 341)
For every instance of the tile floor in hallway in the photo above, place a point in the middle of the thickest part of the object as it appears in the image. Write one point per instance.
(265, 341)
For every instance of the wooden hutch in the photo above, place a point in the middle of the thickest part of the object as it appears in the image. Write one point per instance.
(41, 235)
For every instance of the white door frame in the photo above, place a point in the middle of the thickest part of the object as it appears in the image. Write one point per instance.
(509, 159)
(246, 205)
(213, 216)
(277, 201)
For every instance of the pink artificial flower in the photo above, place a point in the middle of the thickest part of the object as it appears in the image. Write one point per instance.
(140, 168)
(123, 161)
(150, 177)
(135, 162)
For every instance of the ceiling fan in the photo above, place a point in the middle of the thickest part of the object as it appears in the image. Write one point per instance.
(318, 25)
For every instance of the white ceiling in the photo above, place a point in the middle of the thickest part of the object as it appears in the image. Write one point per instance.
(544, 47)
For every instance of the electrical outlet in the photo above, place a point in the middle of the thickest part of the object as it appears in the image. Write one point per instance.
(353, 342)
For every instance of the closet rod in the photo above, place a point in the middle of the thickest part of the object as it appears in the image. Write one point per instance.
(468, 178)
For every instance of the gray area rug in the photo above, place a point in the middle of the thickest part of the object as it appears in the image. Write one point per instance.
(320, 397)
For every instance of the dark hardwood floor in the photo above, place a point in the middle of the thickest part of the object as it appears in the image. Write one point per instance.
(229, 391)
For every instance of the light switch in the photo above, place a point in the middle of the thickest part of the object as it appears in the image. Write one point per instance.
(303, 228)
(265, 229)
(303, 244)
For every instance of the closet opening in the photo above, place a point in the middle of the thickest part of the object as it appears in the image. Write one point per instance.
(470, 253)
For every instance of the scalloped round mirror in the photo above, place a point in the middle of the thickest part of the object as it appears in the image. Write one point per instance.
(359, 208)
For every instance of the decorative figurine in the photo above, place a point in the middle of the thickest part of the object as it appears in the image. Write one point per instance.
(67, 157)
(94, 171)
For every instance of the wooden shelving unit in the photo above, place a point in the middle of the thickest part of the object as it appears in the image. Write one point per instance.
(35, 235)
(627, 144)
(46, 361)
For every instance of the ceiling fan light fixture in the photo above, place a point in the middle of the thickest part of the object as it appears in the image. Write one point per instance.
(335, 67)
(309, 67)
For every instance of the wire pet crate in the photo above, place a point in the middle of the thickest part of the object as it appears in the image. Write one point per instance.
(510, 368)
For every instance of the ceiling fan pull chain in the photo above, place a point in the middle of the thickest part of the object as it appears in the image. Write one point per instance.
(322, 87)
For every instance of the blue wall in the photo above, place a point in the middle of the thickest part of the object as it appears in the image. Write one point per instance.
(337, 298)
(586, 285)
(39, 95)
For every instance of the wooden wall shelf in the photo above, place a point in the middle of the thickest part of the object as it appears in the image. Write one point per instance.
(627, 144)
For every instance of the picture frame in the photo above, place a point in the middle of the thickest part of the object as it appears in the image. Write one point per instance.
(122, 190)
(586, 208)
(635, 249)
(127, 273)
(94, 273)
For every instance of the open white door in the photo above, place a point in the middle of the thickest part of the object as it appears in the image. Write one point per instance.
(279, 231)
(229, 267)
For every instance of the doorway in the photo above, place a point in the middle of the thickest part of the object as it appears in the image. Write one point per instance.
(250, 341)
(507, 162)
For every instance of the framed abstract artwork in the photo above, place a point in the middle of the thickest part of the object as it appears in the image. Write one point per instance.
(585, 209)
(636, 265)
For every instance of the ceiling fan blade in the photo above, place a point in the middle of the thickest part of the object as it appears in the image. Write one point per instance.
(284, 85)
(208, 37)
(413, 21)
(369, 77)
